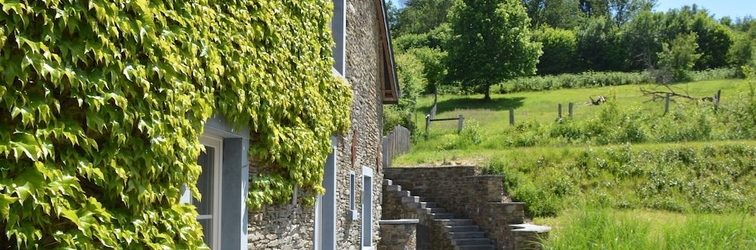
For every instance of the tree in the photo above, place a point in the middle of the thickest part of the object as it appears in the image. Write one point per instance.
(679, 56)
(623, 10)
(742, 52)
(410, 73)
(433, 68)
(559, 51)
(598, 45)
(421, 16)
(490, 43)
(563, 14)
(714, 41)
(641, 39)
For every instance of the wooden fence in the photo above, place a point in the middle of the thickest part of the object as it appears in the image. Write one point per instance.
(432, 117)
(394, 144)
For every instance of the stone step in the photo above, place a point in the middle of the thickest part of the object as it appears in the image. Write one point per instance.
(404, 193)
(410, 199)
(471, 241)
(466, 235)
(465, 228)
(475, 247)
(437, 210)
(393, 188)
(455, 222)
(427, 204)
(388, 182)
(442, 215)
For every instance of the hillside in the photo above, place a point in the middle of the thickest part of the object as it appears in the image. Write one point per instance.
(625, 155)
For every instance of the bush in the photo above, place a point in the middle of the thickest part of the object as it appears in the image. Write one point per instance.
(588, 79)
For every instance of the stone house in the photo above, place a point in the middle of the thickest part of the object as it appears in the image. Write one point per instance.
(346, 217)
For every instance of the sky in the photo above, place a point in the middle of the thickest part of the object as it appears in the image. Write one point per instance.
(718, 8)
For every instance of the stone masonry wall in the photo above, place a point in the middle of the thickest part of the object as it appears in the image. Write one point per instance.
(462, 191)
(291, 226)
(281, 227)
(398, 234)
(361, 145)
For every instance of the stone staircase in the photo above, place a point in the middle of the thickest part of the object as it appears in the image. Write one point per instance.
(462, 234)
(489, 219)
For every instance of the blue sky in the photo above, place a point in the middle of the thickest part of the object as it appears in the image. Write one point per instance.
(719, 8)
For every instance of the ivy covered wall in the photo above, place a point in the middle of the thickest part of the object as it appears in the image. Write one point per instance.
(102, 103)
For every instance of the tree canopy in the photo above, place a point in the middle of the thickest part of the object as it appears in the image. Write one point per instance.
(491, 42)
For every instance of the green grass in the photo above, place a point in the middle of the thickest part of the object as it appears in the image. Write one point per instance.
(588, 227)
(542, 106)
(681, 180)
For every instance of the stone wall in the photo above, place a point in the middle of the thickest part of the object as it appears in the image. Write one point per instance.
(281, 227)
(292, 226)
(461, 191)
(398, 234)
(361, 145)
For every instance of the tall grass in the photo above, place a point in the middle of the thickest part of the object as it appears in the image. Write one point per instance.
(702, 178)
(589, 227)
(592, 79)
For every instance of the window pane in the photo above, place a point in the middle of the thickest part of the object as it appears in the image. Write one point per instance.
(205, 182)
(207, 226)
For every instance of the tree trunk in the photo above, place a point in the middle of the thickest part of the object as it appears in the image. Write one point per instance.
(487, 97)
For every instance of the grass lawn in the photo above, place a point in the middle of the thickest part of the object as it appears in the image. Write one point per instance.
(681, 186)
(542, 106)
(597, 228)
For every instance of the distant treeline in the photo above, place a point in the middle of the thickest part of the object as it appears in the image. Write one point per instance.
(586, 35)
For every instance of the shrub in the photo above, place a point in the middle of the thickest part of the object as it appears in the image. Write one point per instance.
(581, 80)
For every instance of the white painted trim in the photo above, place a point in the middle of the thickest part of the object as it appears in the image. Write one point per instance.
(217, 144)
(338, 31)
(367, 209)
(325, 207)
(366, 171)
(318, 223)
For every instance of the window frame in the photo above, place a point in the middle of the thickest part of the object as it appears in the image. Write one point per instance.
(367, 209)
(216, 215)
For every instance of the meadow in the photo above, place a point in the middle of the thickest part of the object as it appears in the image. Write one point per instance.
(620, 175)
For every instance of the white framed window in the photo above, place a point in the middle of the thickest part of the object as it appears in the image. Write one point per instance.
(338, 29)
(367, 208)
(353, 214)
(209, 186)
(325, 206)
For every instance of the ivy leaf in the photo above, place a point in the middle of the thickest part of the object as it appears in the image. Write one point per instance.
(25, 143)
(5, 201)
(31, 179)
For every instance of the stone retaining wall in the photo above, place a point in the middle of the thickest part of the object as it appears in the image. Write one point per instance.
(398, 234)
(462, 191)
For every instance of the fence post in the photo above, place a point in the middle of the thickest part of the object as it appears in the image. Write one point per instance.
(427, 125)
(716, 102)
(559, 109)
(385, 148)
(511, 116)
(666, 104)
(570, 108)
(461, 123)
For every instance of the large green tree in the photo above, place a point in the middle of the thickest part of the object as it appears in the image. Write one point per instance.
(491, 42)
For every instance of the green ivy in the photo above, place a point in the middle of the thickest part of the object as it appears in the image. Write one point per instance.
(102, 104)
